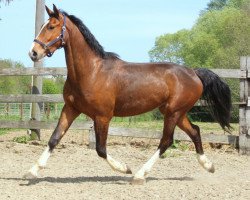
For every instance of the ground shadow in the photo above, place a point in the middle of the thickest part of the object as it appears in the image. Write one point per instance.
(120, 180)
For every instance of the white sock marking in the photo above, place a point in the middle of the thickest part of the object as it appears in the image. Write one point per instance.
(205, 162)
(147, 166)
(115, 165)
(41, 163)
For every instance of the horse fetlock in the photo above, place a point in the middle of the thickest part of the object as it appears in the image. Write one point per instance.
(101, 152)
(52, 143)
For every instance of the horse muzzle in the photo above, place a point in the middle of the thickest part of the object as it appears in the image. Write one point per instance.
(36, 55)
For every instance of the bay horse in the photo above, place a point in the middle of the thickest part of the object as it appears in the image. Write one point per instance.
(101, 85)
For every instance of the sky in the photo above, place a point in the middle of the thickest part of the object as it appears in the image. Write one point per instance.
(126, 27)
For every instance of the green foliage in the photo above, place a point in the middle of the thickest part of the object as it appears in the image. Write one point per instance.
(21, 139)
(230, 27)
(174, 43)
(53, 85)
(221, 4)
(14, 84)
(49, 87)
(59, 81)
(182, 146)
(4, 131)
(217, 39)
(216, 4)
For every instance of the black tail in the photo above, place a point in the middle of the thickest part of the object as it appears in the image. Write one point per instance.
(218, 96)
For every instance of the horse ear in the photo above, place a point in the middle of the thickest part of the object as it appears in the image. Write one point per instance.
(50, 12)
(56, 11)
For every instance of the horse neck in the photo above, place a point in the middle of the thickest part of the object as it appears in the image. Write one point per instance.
(80, 59)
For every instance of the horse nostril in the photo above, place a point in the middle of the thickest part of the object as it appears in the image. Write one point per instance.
(34, 53)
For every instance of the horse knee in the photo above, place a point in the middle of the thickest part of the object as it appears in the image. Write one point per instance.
(101, 151)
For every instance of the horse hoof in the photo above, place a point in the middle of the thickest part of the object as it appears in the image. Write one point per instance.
(138, 181)
(29, 175)
(128, 170)
(211, 169)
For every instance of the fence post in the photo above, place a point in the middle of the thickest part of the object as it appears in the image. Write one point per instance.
(37, 80)
(244, 110)
(7, 109)
(21, 111)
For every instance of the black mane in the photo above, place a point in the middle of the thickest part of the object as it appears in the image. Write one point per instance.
(90, 38)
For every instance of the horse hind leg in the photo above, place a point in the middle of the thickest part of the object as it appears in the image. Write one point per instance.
(170, 121)
(193, 132)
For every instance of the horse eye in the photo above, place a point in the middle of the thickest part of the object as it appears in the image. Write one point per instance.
(51, 27)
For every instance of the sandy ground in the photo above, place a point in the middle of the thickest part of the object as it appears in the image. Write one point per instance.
(76, 172)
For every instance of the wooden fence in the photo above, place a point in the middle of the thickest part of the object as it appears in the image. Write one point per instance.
(242, 141)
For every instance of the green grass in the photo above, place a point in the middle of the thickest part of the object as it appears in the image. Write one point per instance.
(4, 131)
(144, 121)
(22, 139)
(9, 117)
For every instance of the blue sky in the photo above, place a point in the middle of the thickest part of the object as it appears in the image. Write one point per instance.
(127, 27)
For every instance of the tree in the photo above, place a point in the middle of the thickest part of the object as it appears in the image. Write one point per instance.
(6, 1)
(169, 47)
(221, 4)
(216, 4)
(231, 28)
(14, 84)
(218, 39)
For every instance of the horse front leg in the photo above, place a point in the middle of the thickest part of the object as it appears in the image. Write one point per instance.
(68, 115)
(101, 125)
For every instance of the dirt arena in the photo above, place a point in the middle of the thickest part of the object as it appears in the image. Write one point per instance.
(75, 172)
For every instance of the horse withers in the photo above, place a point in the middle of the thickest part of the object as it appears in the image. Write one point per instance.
(101, 85)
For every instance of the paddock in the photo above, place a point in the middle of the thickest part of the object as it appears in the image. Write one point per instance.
(75, 171)
(241, 140)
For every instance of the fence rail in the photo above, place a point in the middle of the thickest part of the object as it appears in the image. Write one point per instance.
(53, 71)
(44, 71)
(243, 140)
(31, 98)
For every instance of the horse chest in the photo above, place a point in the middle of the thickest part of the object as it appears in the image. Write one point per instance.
(79, 99)
(85, 103)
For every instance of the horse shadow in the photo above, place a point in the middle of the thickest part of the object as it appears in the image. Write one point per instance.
(118, 180)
